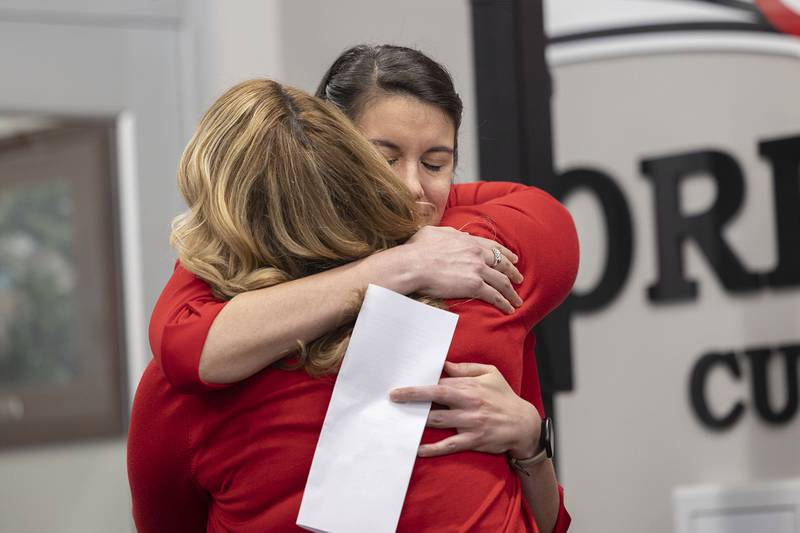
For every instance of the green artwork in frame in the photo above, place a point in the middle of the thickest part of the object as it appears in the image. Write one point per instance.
(38, 303)
(62, 340)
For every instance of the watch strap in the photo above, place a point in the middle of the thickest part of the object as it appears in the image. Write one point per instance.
(522, 465)
(545, 447)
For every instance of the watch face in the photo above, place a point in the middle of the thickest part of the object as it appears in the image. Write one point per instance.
(549, 438)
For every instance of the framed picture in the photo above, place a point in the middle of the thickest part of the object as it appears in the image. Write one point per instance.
(61, 324)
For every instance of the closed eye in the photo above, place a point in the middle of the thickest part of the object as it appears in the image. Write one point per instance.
(432, 168)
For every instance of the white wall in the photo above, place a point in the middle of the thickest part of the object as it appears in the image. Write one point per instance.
(77, 488)
(240, 39)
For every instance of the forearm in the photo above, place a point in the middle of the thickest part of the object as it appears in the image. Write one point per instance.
(539, 483)
(541, 491)
(259, 327)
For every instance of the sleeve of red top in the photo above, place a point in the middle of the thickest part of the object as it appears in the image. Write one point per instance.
(541, 232)
(164, 495)
(179, 326)
(563, 520)
(531, 391)
(478, 192)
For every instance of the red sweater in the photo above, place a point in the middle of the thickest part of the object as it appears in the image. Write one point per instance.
(238, 458)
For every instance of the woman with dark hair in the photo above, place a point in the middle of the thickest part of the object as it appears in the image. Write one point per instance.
(405, 104)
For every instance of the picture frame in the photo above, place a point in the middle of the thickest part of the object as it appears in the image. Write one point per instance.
(62, 349)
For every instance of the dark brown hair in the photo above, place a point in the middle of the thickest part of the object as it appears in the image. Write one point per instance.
(364, 72)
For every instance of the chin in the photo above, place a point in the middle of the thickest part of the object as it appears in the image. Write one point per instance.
(429, 213)
(433, 218)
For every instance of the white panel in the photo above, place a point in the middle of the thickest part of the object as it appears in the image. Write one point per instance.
(763, 507)
(576, 16)
(745, 521)
(633, 359)
(586, 51)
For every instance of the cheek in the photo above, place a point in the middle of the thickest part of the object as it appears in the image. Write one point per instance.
(437, 191)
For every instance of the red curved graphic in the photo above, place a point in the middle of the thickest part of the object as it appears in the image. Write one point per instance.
(781, 16)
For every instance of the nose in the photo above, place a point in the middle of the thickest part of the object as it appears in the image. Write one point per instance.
(409, 173)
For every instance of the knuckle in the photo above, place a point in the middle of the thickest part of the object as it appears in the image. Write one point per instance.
(443, 395)
(475, 403)
(465, 383)
(474, 283)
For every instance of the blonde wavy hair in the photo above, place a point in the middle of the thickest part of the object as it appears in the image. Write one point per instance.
(280, 185)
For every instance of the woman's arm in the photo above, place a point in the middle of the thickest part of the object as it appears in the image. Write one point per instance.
(201, 342)
(487, 413)
(546, 503)
(259, 327)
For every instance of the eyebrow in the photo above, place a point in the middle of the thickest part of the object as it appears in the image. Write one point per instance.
(392, 146)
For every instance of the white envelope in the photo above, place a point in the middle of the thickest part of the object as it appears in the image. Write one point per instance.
(368, 444)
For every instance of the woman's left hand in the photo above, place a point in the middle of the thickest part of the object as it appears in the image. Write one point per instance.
(484, 410)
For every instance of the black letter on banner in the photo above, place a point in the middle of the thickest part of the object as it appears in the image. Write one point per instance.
(673, 228)
(759, 359)
(784, 156)
(697, 384)
(619, 233)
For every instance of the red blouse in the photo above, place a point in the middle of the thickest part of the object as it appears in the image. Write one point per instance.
(238, 458)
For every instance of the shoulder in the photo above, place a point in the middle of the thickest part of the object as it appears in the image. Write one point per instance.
(179, 323)
(184, 282)
(182, 288)
(477, 192)
(512, 216)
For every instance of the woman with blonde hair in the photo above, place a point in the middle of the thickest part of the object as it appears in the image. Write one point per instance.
(281, 186)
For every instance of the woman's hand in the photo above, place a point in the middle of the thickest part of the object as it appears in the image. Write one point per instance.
(452, 264)
(487, 414)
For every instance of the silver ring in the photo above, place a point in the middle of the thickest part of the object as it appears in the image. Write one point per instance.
(497, 256)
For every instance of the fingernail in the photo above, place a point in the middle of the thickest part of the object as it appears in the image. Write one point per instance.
(396, 397)
(422, 451)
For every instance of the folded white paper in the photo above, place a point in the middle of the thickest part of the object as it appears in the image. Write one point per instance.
(368, 444)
